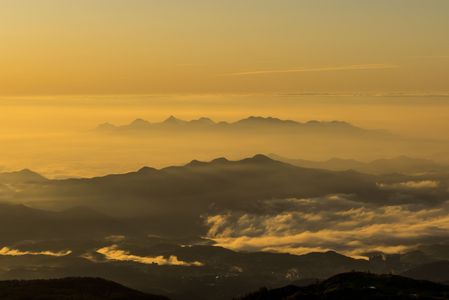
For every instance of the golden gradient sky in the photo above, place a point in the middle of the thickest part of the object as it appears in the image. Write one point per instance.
(235, 46)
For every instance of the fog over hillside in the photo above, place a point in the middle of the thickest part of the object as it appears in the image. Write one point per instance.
(252, 204)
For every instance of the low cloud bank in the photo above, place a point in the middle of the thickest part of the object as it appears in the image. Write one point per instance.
(335, 222)
(410, 185)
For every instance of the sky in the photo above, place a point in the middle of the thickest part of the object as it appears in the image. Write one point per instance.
(91, 47)
(68, 65)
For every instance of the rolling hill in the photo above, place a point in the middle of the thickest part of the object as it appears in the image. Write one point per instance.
(358, 286)
(70, 288)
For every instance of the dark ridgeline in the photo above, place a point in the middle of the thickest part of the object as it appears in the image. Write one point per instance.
(70, 289)
(400, 164)
(38, 224)
(222, 183)
(437, 271)
(346, 286)
(357, 286)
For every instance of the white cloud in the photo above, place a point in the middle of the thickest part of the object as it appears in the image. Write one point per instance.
(323, 224)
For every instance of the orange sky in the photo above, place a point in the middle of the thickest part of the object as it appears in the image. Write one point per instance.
(68, 65)
(204, 46)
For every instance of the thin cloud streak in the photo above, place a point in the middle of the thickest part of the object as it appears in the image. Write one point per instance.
(6, 251)
(114, 253)
(323, 69)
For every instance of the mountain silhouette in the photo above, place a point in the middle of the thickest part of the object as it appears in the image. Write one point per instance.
(172, 120)
(357, 285)
(254, 120)
(22, 176)
(437, 271)
(252, 123)
(400, 164)
(238, 182)
(34, 223)
(70, 288)
(189, 191)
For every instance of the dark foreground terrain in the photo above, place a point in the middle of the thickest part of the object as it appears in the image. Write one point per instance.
(357, 285)
(70, 288)
(347, 286)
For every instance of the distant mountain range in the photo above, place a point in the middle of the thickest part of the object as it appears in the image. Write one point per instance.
(317, 139)
(252, 123)
(400, 164)
(355, 286)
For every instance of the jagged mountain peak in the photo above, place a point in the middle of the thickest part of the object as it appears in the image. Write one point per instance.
(173, 120)
(139, 123)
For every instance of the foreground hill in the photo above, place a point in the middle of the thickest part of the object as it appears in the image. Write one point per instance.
(224, 274)
(358, 286)
(70, 288)
(347, 286)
